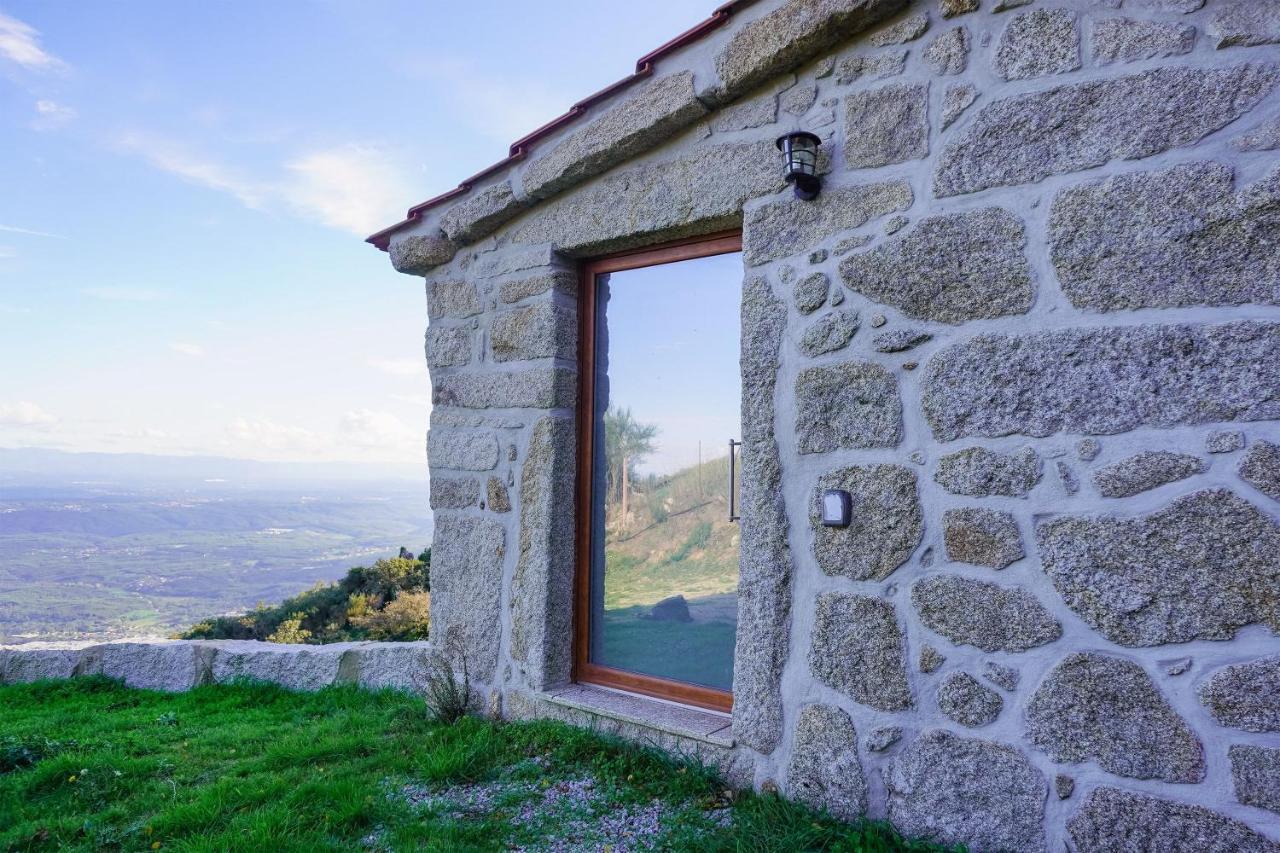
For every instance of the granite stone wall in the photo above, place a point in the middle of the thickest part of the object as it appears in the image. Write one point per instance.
(1032, 323)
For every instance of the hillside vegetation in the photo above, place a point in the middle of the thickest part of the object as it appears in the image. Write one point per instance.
(391, 600)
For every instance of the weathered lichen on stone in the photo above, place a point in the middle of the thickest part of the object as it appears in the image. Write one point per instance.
(900, 340)
(1245, 23)
(950, 268)
(764, 580)
(1025, 138)
(1245, 695)
(1199, 569)
(908, 29)
(882, 738)
(976, 613)
(1132, 40)
(811, 291)
(886, 524)
(951, 8)
(1147, 470)
(790, 35)
(983, 537)
(1260, 468)
(1156, 376)
(463, 451)
(1167, 239)
(965, 701)
(1095, 707)
(858, 649)
(847, 405)
(931, 660)
(886, 125)
(539, 388)
(475, 216)
(497, 498)
(1063, 786)
(963, 791)
(534, 331)
(1112, 819)
(876, 66)
(948, 52)
(456, 298)
(1224, 441)
(1000, 675)
(829, 333)
(782, 228)
(981, 473)
(1087, 449)
(466, 590)
(454, 492)
(956, 100)
(419, 254)
(558, 281)
(447, 347)
(1255, 776)
(1038, 43)
(824, 771)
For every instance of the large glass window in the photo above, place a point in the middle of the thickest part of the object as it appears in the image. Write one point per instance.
(661, 553)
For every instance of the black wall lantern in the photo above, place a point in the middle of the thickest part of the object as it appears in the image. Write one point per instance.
(800, 162)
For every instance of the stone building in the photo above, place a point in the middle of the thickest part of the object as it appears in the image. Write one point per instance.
(1029, 326)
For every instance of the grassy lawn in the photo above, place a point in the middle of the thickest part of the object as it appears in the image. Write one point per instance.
(89, 764)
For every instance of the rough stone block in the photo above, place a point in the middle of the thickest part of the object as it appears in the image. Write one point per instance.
(1245, 695)
(480, 213)
(689, 196)
(950, 268)
(1038, 43)
(829, 334)
(881, 739)
(900, 340)
(1112, 819)
(457, 298)
(1264, 137)
(555, 281)
(1199, 569)
(497, 498)
(765, 567)
(454, 492)
(1104, 381)
(858, 649)
(1224, 441)
(976, 613)
(756, 111)
(908, 29)
(448, 347)
(1000, 675)
(1025, 138)
(1245, 23)
(466, 590)
(848, 405)
(965, 701)
(983, 537)
(951, 8)
(542, 584)
(402, 665)
(886, 527)
(535, 331)
(948, 52)
(1095, 707)
(790, 35)
(1132, 40)
(462, 451)
(811, 292)
(825, 772)
(886, 125)
(963, 791)
(1260, 468)
(781, 228)
(172, 666)
(1166, 239)
(982, 473)
(296, 667)
(876, 66)
(1255, 775)
(642, 119)
(1147, 470)
(541, 388)
(931, 660)
(956, 100)
(419, 254)
(27, 663)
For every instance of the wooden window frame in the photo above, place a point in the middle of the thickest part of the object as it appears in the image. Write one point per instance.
(584, 669)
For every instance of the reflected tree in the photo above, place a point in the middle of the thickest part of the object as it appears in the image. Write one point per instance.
(627, 443)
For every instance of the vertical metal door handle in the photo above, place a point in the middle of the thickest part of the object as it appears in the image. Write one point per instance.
(733, 515)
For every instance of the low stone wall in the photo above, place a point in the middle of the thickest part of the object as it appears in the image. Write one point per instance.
(176, 665)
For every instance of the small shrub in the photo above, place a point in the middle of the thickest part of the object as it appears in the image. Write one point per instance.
(290, 631)
(448, 697)
(17, 753)
(406, 617)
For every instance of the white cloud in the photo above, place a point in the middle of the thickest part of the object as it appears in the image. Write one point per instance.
(50, 114)
(13, 229)
(370, 429)
(125, 294)
(8, 252)
(399, 366)
(193, 350)
(20, 43)
(505, 108)
(170, 157)
(13, 309)
(266, 434)
(25, 414)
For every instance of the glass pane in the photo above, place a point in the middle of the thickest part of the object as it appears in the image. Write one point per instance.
(664, 574)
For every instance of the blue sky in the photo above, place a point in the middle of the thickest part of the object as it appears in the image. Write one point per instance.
(186, 186)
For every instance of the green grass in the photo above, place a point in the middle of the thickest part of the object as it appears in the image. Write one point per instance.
(88, 764)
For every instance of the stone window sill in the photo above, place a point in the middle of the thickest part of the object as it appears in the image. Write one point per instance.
(710, 727)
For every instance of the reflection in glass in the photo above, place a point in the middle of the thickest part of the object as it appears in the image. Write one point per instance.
(664, 568)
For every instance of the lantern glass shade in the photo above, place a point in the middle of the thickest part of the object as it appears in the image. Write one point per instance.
(800, 162)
